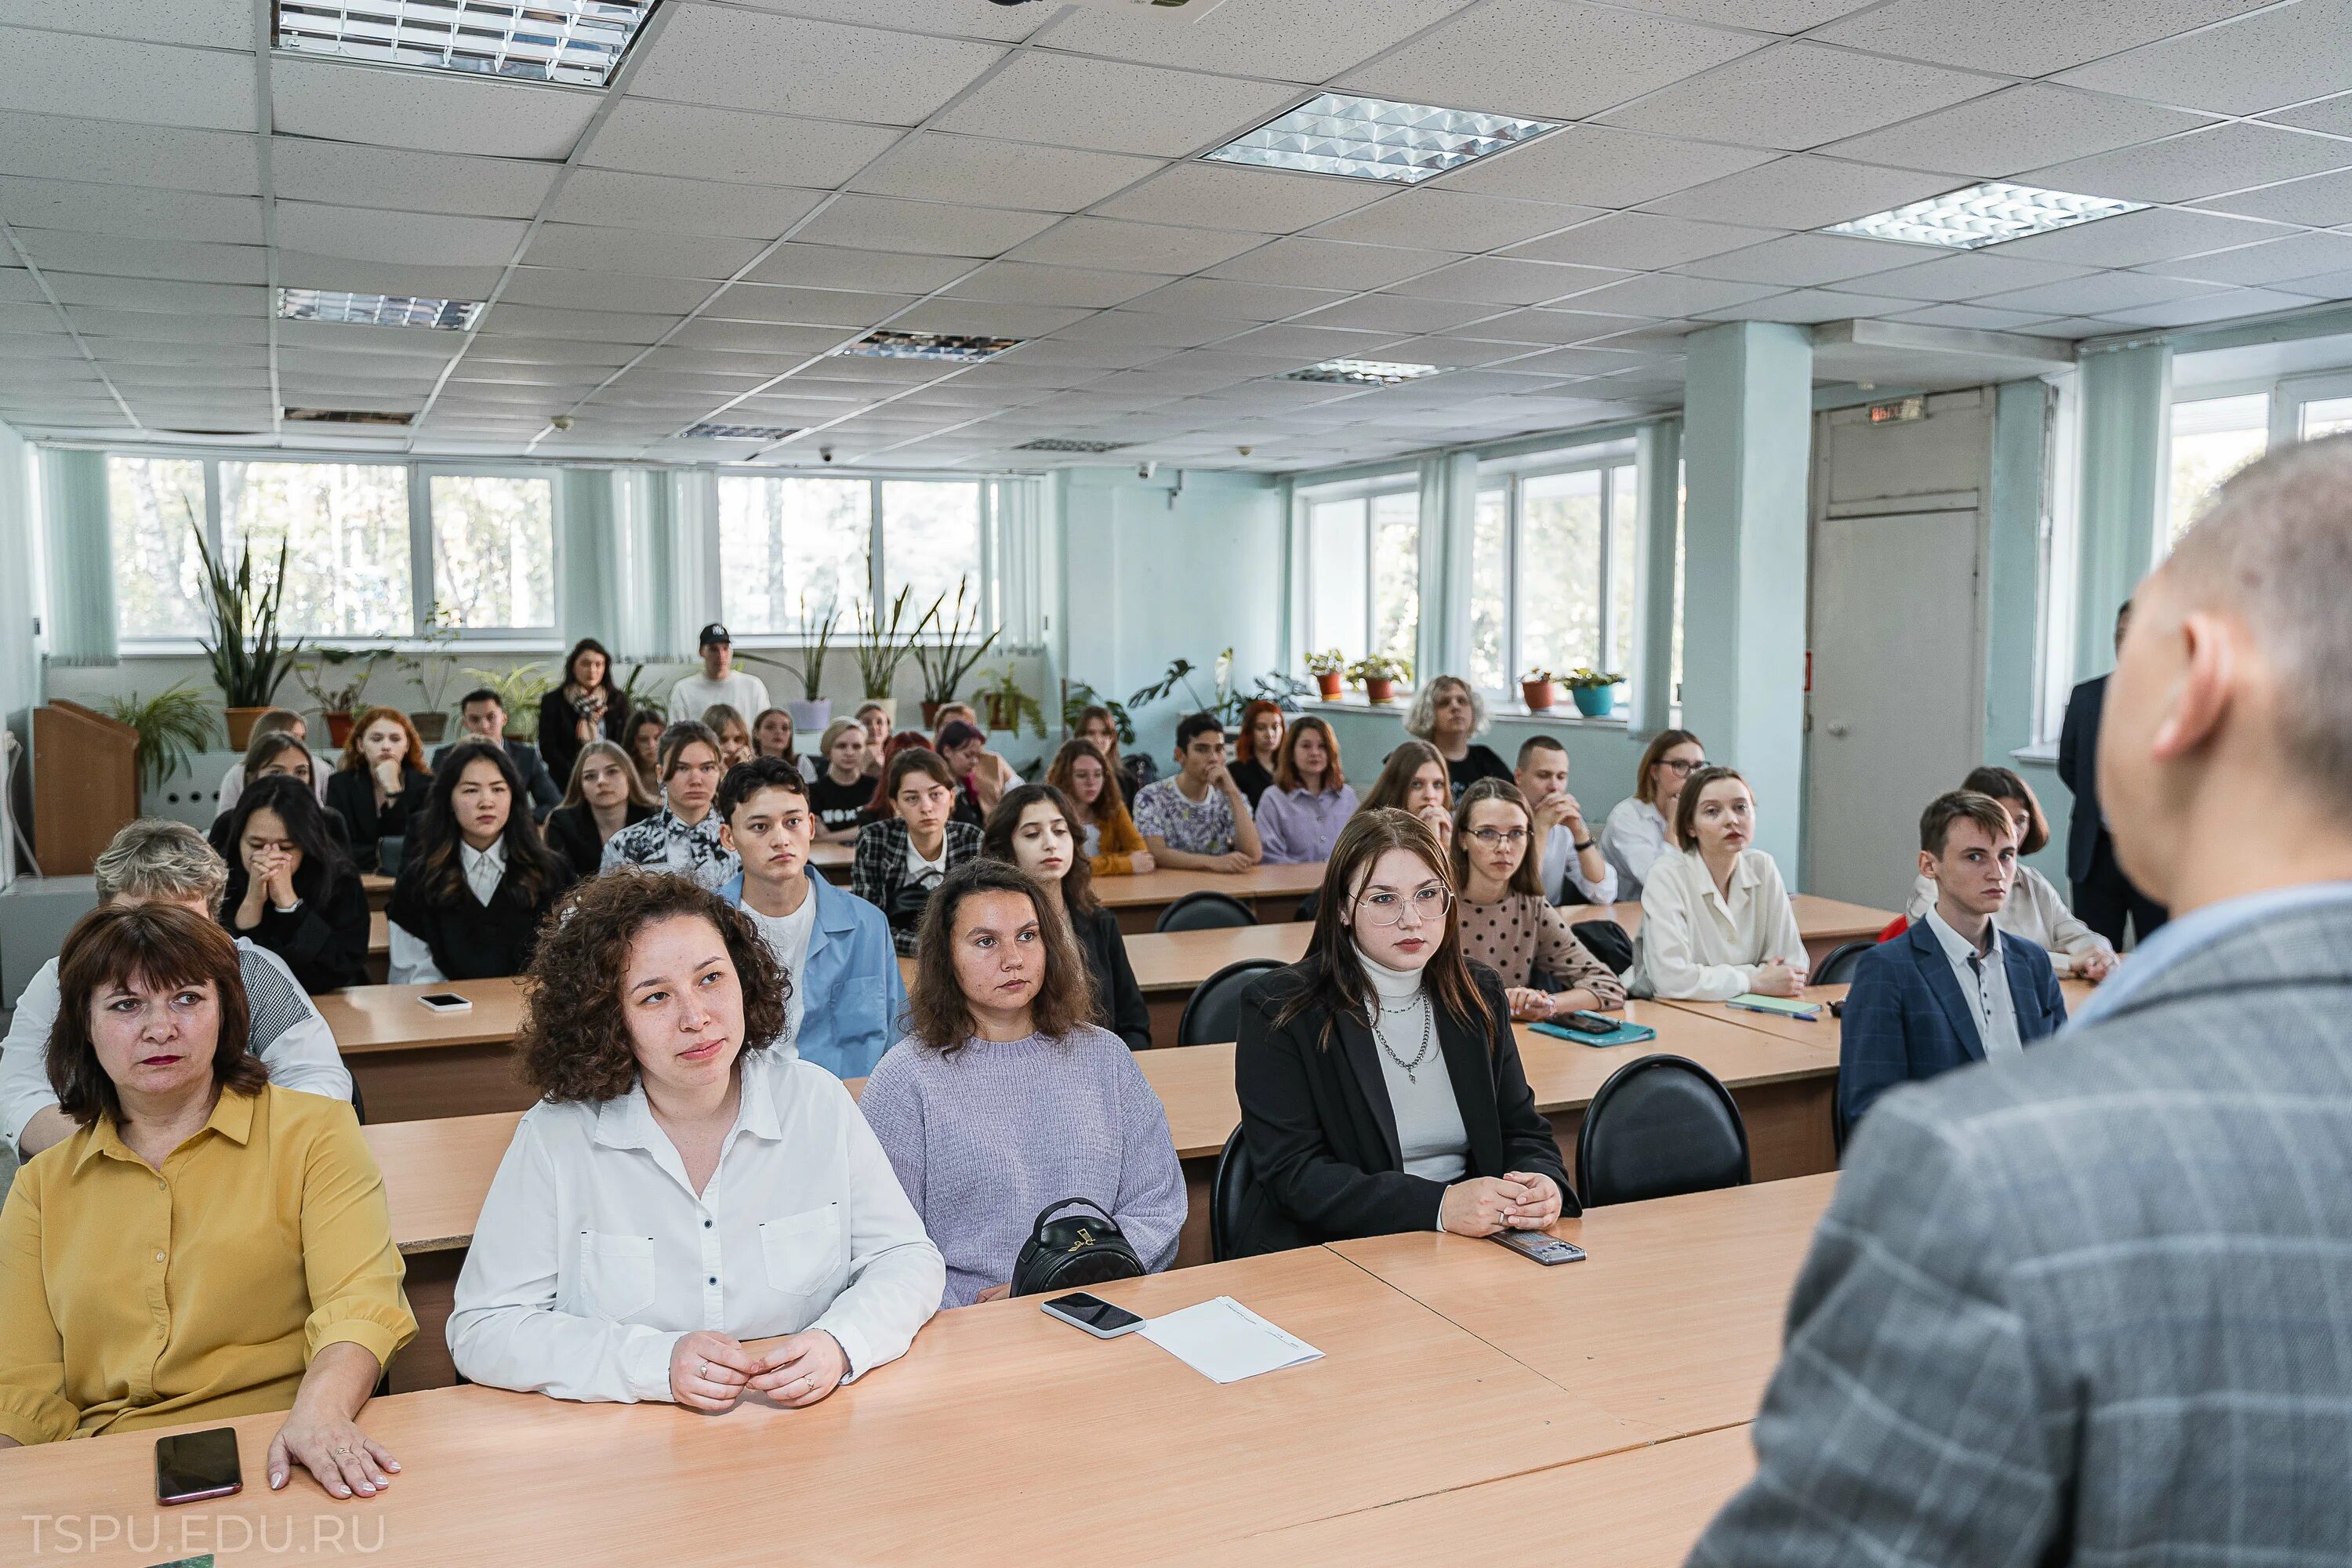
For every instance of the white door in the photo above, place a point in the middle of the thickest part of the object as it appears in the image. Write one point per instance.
(1895, 714)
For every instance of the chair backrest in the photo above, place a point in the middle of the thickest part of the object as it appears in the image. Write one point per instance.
(1205, 910)
(1661, 1125)
(1228, 1190)
(389, 854)
(1838, 968)
(1213, 1012)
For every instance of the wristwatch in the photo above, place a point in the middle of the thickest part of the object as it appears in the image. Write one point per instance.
(1588, 844)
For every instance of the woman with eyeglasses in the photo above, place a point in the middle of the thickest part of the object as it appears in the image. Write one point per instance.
(1641, 827)
(1378, 1078)
(1715, 920)
(1506, 922)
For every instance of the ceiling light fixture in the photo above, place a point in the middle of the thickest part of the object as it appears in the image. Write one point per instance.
(707, 431)
(1360, 372)
(1377, 138)
(346, 417)
(1069, 443)
(941, 346)
(377, 309)
(1984, 215)
(579, 42)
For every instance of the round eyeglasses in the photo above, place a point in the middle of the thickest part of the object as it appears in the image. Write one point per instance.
(1386, 908)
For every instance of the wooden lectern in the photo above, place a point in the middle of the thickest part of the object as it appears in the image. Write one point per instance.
(85, 784)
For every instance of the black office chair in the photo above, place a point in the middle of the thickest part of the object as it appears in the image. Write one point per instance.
(1229, 1192)
(359, 1100)
(1213, 1013)
(1838, 968)
(1661, 1125)
(389, 853)
(1205, 912)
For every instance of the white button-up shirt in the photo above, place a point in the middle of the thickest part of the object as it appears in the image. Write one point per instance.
(1699, 944)
(1983, 980)
(594, 1254)
(411, 956)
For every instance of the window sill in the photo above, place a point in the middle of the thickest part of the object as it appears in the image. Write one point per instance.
(1504, 712)
(2044, 752)
(467, 645)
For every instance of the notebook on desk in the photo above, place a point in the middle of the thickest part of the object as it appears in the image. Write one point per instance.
(1623, 1034)
(1785, 1007)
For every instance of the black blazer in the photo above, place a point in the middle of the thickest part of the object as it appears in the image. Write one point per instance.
(537, 786)
(470, 940)
(1120, 999)
(2078, 769)
(1322, 1131)
(352, 792)
(572, 833)
(324, 941)
(559, 746)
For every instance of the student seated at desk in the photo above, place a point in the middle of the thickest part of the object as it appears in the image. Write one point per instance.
(152, 861)
(842, 790)
(1198, 820)
(1641, 827)
(381, 782)
(586, 705)
(1448, 713)
(1716, 918)
(682, 1187)
(990, 775)
(1106, 835)
(1506, 922)
(478, 882)
(1301, 813)
(1954, 988)
(604, 795)
(1414, 781)
(902, 859)
(1379, 1082)
(1572, 869)
(280, 752)
(683, 836)
(1258, 747)
(772, 736)
(875, 719)
(842, 1009)
(641, 737)
(1031, 828)
(1099, 725)
(964, 748)
(276, 721)
(291, 888)
(484, 715)
(1003, 1098)
(2033, 911)
(733, 731)
(206, 1244)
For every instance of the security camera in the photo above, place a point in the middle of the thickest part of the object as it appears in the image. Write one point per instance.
(1245, 451)
(824, 454)
(1145, 470)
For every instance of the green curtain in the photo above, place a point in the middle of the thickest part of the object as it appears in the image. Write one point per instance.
(590, 599)
(81, 547)
(1449, 505)
(2126, 397)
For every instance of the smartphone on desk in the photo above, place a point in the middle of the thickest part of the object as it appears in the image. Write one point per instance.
(1092, 1313)
(1585, 1022)
(446, 1002)
(193, 1466)
(1540, 1245)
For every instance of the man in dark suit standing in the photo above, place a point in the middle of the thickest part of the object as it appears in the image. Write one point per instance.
(484, 718)
(2093, 1304)
(2103, 896)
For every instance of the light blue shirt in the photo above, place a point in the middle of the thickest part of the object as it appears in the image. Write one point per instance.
(2198, 929)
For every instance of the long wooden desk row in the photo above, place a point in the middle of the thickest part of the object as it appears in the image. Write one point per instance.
(1462, 1392)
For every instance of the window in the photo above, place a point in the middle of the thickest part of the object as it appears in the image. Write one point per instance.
(2211, 439)
(494, 550)
(781, 538)
(158, 511)
(1363, 568)
(2325, 417)
(344, 526)
(1489, 570)
(1553, 566)
(930, 540)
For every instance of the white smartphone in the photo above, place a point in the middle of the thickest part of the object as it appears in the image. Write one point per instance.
(1092, 1313)
(446, 1002)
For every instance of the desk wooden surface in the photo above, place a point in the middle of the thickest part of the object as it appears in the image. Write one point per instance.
(1826, 1031)
(1158, 888)
(391, 1018)
(1179, 960)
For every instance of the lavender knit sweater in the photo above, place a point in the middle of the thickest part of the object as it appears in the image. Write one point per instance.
(983, 1139)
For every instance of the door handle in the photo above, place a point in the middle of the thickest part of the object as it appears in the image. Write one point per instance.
(1838, 731)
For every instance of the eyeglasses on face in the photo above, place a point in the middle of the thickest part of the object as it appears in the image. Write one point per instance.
(1386, 908)
(1494, 838)
(1684, 769)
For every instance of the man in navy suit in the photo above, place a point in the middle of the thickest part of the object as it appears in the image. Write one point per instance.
(2103, 896)
(484, 718)
(1952, 989)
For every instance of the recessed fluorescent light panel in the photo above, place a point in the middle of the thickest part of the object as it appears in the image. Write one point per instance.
(1361, 373)
(1375, 138)
(346, 417)
(1984, 215)
(579, 42)
(1065, 444)
(376, 310)
(707, 431)
(937, 346)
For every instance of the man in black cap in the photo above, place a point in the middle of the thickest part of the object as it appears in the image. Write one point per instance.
(718, 682)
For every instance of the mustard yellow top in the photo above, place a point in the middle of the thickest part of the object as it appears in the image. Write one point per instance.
(129, 1299)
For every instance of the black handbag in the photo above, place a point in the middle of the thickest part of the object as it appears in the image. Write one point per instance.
(1072, 1251)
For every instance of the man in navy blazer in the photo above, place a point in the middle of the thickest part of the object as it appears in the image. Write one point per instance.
(2104, 896)
(1952, 989)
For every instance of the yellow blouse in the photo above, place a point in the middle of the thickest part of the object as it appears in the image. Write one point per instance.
(129, 1299)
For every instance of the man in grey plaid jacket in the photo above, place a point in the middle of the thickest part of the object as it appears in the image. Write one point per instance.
(2094, 1304)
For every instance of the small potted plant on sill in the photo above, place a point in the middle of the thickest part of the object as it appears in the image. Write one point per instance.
(173, 726)
(1595, 691)
(1328, 667)
(1540, 690)
(432, 669)
(1007, 707)
(812, 711)
(1378, 674)
(336, 679)
(519, 690)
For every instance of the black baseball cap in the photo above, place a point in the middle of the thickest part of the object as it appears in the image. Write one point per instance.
(713, 632)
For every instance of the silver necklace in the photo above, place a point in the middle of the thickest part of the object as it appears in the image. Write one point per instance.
(1419, 1057)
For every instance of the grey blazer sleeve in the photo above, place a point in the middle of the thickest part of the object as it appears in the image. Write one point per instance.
(1907, 1422)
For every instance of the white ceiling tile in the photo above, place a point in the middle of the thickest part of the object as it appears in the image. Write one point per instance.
(1804, 260)
(638, 250)
(423, 237)
(667, 203)
(1795, 96)
(1439, 219)
(955, 18)
(2333, 115)
(1559, 59)
(201, 263)
(2281, 55)
(1113, 107)
(1398, 313)
(1222, 196)
(1134, 246)
(1288, 340)
(2021, 127)
(704, 339)
(1968, 275)
(1809, 306)
(18, 287)
(1025, 283)
(2136, 238)
(2098, 294)
(1577, 362)
(2325, 286)
(2198, 164)
(807, 307)
(95, 323)
(2323, 201)
(1328, 264)
(728, 57)
(1594, 165)
(1767, 16)
(603, 290)
(338, 172)
(140, 211)
(1802, 192)
(979, 318)
(534, 340)
(648, 138)
(1501, 281)
(28, 316)
(1137, 327)
(1292, 40)
(300, 269)
(55, 147)
(1453, 353)
(1555, 327)
(432, 111)
(540, 321)
(127, 350)
(1976, 317)
(932, 228)
(2221, 307)
(200, 24)
(1224, 297)
(151, 84)
(2273, 262)
(931, 166)
(157, 294)
(836, 267)
(2023, 38)
(1641, 241)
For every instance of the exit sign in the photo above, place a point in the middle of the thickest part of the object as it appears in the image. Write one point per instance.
(1901, 411)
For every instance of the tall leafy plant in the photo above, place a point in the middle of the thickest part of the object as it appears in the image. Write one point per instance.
(248, 659)
(817, 643)
(173, 726)
(950, 656)
(519, 690)
(882, 644)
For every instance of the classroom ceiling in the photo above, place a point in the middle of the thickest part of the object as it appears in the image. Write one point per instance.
(768, 180)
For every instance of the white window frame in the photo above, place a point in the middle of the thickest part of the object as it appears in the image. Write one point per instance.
(2059, 569)
(1369, 489)
(1514, 473)
(422, 540)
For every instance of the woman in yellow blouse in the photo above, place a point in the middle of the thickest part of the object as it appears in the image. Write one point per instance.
(1106, 833)
(207, 1245)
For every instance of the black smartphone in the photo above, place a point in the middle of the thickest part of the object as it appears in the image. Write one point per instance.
(1590, 1023)
(1092, 1313)
(1536, 1244)
(193, 1466)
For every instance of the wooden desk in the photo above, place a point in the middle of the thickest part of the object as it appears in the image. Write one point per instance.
(993, 1416)
(1273, 891)
(832, 861)
(379, 951)
(410, 1062)
(379, 888)
(1828, 1031)
(1822, 922)
(1672, 1320)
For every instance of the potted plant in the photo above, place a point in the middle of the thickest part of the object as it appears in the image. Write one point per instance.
(881, 647)
(1328, 667)
(1007, 706)
(247, 660)
(1380, 672)
(172, 727)
(336, 679)
(813, 710)
(1595, 692)
(1078, 697)
(431, 668)
(947, 660)
(1539, 689)
(1225, 700)
(519, 690)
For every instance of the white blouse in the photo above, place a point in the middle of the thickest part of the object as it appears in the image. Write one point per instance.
(594, 1254)
(1632, 839)
(1697, 945)
(2033, 913)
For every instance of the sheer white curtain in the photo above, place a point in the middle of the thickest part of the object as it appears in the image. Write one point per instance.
(80, 542)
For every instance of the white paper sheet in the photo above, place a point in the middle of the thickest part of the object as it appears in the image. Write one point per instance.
(1225, 1342)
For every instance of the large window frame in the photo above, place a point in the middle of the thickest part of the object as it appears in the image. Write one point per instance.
(879, 584)
(1619, 581)
(1370, 490)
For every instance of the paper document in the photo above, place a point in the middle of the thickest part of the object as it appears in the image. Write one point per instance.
(1225, 1342)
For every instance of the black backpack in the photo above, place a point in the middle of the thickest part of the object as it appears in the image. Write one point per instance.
(1072, 1251)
